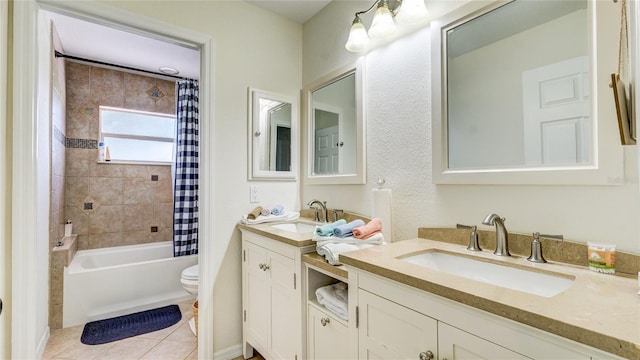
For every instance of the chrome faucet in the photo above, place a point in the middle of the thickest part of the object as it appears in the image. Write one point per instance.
(502, 237)
(323, 207)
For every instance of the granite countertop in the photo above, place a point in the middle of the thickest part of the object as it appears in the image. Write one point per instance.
(319, 261)
(296, 239)
(598, 310)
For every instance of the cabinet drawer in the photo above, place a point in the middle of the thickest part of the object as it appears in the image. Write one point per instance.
(327, 337)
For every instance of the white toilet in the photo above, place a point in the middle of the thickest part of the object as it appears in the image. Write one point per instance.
(189, 280)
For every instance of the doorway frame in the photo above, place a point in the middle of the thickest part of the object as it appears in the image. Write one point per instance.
(25, 343)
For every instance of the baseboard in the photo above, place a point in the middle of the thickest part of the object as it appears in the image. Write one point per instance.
(229, 353)
(42, 344)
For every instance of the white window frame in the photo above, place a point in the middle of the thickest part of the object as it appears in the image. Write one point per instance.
(136, 137)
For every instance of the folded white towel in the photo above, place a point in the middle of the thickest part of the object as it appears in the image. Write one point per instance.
(335, 298)
(288, 215)
(377, 239)
(332, 251)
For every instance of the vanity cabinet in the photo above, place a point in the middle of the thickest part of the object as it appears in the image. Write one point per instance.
(396, 321)
(327, 334)
(456, 344)
(272, 298)
(387, 330)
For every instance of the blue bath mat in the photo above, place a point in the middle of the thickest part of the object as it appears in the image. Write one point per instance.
(122, 327)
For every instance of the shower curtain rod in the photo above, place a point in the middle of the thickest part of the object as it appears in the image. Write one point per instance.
(59, 54)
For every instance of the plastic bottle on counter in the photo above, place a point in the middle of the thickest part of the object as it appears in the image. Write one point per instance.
(101, 151)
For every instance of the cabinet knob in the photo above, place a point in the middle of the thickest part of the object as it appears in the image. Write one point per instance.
(261, 266)
(265, 267)
(325, 321)
(428, 355)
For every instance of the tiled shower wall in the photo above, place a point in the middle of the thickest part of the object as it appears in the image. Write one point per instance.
(113, 204)
(56, 215)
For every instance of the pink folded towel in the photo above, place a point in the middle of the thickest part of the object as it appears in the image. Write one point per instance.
(373, 227)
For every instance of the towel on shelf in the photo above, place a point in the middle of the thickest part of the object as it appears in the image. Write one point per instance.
(375, 239)
(254, 213)
(331, 251)
(277, 210)
(373, 227)
(327, 230)
(265, 212)
(335, 299)
(347, 229)
(287, 216)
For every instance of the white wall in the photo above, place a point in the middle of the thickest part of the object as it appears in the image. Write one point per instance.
(5, 230)
(398, 96)
(251, 47)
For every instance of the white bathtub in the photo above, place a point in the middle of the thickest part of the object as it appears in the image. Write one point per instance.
(103, 283)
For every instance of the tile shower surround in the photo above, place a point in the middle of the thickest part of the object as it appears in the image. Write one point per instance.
(109, 204)
(113, 204)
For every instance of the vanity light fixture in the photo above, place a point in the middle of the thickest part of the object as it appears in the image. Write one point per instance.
(383, 24)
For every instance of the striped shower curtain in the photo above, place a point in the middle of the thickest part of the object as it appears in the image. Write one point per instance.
(185, 199)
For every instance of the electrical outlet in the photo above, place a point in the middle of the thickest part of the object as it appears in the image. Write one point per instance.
(253, 194)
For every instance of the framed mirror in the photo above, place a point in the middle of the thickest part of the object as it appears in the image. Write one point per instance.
(273, 136)
(517, 96)
(335, 128)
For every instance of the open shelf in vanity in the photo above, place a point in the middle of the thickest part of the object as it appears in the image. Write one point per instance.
(327, 333)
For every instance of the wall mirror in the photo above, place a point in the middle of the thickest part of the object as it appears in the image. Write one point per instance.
(273, 136)
(518, 95)
(335, 128)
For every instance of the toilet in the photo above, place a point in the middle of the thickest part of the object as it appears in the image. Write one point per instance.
(189, 280)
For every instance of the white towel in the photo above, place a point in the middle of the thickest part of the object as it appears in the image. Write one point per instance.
(332, 251)
(287, 216)
(335, 298)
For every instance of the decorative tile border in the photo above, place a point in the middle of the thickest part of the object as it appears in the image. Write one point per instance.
(81, 143)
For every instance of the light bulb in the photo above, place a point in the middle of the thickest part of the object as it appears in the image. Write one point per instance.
(358, 38)
(412, 11)
(382, 25)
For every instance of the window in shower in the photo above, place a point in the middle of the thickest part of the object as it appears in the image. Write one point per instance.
(137, 136)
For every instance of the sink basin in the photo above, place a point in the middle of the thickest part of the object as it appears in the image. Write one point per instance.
(296, 227)
(532, 282)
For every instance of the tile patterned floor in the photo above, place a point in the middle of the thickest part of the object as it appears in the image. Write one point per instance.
(173, 343)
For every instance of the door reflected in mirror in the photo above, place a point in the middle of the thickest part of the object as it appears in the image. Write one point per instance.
(273, 134)
(336, 144)
(518, 90)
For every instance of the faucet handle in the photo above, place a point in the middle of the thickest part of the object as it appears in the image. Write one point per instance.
(552, 237)
(474, 244)
(536, 246)
(337, 213)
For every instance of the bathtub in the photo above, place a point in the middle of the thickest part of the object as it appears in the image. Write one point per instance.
(103, 283)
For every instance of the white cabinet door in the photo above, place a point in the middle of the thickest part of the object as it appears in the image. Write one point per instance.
(328, 338)
(285, 307)
(455, 344)
(257, 297)
(391, 331)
